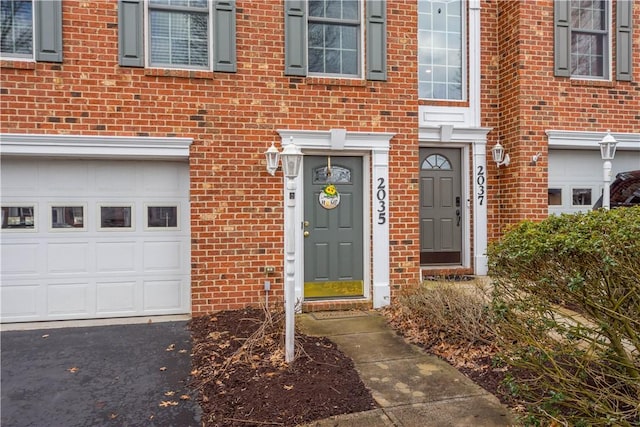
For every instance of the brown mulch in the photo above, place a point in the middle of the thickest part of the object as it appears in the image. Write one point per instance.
(242, 379)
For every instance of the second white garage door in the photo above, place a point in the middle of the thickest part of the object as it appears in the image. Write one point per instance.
(576, 177)
(86, 239)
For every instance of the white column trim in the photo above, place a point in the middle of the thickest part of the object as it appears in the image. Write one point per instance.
(338, 140)
(480, 195)
(93, 146)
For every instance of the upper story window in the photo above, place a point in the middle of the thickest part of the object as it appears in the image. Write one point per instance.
(31, 30)
(589, 39)
(179, 33)
(185, 34)
(334, 37)
(17, 28)
(326, 37)
(583, 32)
(441, 56)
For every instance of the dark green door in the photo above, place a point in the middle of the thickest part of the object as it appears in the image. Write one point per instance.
(333, 258)
(441, 207)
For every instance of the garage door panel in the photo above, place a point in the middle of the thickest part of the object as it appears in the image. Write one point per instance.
(20, 300)
(115, 297)
(116, 179)
(19, 179)
(162, 256)
(20, 258)
(162, 294)
(68, 299)
(69, 178)
(116, 257)
(167, 181)
(67, 257)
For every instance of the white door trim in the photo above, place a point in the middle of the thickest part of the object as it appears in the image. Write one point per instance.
(476, 197)
(376, 143)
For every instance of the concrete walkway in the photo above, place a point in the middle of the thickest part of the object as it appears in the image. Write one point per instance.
(413, 389)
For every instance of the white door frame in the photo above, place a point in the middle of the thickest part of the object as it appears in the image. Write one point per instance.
(374, 146)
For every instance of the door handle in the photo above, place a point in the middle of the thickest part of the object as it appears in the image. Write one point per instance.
(306, 233)
(458, 217)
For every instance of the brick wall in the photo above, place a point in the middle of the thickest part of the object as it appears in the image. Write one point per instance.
(237, 211)
(532, 101)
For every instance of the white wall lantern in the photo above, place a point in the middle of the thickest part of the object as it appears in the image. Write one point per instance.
(498, 154)
(607, 152)
(272, 156)
(291, 160)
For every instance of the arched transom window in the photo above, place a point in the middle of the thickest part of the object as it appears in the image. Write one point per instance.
(436, 161)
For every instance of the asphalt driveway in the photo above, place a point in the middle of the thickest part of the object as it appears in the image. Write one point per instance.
(120, 375)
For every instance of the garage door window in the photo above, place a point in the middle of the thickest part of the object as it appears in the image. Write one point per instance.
(582, 197)
(116, 217)
(18, 217)
(68, 217)
(162, 217)
(554, 196)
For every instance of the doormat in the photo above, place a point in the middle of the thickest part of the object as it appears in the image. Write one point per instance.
(330, 315)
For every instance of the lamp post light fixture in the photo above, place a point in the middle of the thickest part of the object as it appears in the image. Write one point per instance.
(607, 152)
(498, 154)
(291, 160)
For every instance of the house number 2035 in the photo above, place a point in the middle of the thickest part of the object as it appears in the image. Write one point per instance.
(381, 196)
(480, 180)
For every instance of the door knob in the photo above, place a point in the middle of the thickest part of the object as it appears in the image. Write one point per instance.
(305, 234)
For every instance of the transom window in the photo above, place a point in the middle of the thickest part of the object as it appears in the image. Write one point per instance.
(436, 161)
(589, 38)
(441, 49)
(334, 37)
(179, 33)
(17, 28)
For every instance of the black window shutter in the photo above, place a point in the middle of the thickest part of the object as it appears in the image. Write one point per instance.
(224, 36)
(624, 40)
(48, 30)
(295, 38)
(376, 48)
(562, 38)
(131, 33)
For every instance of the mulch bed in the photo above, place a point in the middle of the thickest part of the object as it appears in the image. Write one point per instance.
(242, 379)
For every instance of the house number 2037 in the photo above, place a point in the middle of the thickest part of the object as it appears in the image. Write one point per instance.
(381, 196)
(480, 180)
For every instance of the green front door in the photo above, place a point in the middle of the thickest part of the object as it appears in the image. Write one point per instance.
(333, 247)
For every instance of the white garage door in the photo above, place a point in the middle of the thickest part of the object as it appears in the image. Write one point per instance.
(86, 239)
(576, 177)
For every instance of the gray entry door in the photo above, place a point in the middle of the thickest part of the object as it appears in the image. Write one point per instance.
(333, 248)
(441, 207)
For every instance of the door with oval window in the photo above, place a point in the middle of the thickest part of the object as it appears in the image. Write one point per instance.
(441, 207)
(333, 229)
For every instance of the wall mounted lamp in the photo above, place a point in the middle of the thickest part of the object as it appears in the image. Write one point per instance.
(272, 155)
(535, 158)
(499, 155)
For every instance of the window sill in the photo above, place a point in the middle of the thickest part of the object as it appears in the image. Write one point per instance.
(592, 83)
(186, 74)
(334, 81)
(443, 103)
(17, 64)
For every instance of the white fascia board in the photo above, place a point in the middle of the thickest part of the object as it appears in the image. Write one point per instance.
(322, 139)
(590, 140)
(468, 135)
(92, 146)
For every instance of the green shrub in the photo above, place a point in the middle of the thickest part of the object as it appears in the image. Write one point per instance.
(566, 299)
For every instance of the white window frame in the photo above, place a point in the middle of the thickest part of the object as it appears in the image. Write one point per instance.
(147, 42)
(23, 56)
(607, 46)
(162, 205)
(27, 204)
(101, 205)
(464, 59)
(68, 204)
(360, 41)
